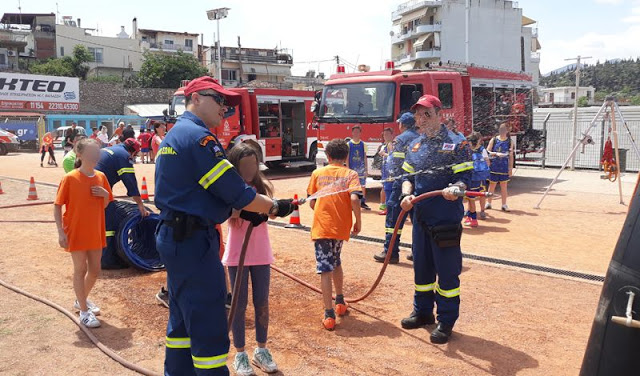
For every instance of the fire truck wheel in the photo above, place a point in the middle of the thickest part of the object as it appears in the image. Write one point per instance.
(275, 165)
(3, 150)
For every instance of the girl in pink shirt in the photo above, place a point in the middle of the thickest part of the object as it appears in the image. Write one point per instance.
(256, 263)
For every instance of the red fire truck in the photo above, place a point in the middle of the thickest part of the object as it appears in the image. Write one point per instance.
(279, 121)
(478, 99)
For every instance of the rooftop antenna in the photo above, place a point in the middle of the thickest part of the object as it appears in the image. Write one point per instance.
(57, 13)
(20, 11)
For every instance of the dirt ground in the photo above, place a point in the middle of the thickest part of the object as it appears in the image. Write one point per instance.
(512, 322)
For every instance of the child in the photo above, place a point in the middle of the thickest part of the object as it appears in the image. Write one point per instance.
(357, 161)
(257, 263)
(332, 222)
(144, 138)
(501, 151)
(47, 147)
(385, 149)
(85, 193)
(479, 178)
(159, 129)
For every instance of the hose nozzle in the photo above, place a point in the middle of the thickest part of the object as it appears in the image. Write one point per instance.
(299, 201)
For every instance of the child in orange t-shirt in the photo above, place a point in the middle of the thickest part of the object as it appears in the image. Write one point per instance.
(332, 223)
(85, 193)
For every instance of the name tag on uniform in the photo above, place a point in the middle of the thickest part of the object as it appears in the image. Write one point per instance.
(449, 147)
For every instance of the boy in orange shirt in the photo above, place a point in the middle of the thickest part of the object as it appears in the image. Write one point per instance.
(332, 223)
(84, 192)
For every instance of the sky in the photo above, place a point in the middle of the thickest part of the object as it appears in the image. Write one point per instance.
(356, 30)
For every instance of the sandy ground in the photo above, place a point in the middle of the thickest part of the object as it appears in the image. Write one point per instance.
(512, 322)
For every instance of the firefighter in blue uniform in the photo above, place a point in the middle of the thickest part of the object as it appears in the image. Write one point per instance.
(116, 164)
(436, 221)
(196, 187)
(394, 164)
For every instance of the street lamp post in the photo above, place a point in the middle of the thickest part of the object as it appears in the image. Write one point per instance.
(218, 14)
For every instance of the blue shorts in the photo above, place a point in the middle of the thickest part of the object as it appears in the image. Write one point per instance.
(327, 255)
(499, 177)
(144, 150)
(478, 186)
(363, 181)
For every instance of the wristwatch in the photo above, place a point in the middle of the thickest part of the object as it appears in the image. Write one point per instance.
(274, 207)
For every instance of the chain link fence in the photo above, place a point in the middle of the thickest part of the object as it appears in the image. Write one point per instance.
(559, 143)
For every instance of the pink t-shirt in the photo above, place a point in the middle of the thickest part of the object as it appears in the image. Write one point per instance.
(258, 251)
(155, 143)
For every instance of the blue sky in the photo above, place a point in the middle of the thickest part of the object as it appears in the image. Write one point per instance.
(357, 30)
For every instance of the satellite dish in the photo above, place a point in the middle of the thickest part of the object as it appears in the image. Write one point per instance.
(391, 33)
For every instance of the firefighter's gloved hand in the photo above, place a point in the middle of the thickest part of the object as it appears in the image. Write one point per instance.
(285, 207)
(452, 193)
(256, 219)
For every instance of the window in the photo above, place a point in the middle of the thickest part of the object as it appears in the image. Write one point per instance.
(67, 123)
(188, 43)
(573, 95)
(145, 38)
(445, 93)
(409, 94)
(93, 124)
(97, 54)
(168, 42)
(82, 124)
(57, 123)
(588, 94)
(229, 75)
(61, 50)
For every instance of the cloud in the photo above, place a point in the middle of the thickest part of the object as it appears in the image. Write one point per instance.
(634, 17)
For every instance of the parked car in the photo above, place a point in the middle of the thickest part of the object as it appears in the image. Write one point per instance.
(59, 135)
(8, 142)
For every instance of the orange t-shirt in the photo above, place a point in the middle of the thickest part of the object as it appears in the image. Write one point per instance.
(332, 217)
(83, 219)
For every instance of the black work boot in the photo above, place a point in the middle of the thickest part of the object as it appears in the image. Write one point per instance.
(382, 255)
(416, 321)
(410, 257)
(441, 333)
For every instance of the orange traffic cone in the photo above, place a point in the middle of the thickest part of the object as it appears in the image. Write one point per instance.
(145, 193)
(294, 219)
(33, 194)
(1, 191)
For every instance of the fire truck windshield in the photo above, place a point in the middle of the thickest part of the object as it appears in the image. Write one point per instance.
(177, 105)
(368, 102)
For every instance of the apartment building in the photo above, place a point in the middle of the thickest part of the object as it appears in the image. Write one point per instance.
(565, 95)
(243, 65)
(163, 41)
(26, 36)
(491, 33)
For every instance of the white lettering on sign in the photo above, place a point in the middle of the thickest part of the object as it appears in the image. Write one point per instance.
(38, 92)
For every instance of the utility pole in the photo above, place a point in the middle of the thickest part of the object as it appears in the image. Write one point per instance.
(575, 106)
(217, 15)
(467, 19)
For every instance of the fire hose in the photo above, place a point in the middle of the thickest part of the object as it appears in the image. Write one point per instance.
(44, 203)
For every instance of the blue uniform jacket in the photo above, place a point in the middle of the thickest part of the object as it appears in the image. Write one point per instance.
(193, 175)
(400, 146)
(449, 163)
(115, 163)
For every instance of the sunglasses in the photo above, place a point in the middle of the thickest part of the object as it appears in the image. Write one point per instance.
(216, 97)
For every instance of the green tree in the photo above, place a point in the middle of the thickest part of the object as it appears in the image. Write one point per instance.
(583, 102)
(166, 71)
(70, 66)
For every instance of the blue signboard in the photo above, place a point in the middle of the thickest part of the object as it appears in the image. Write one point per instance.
(26, 131)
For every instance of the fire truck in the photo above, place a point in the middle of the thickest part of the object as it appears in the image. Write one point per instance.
(477, 98)
(278, 121)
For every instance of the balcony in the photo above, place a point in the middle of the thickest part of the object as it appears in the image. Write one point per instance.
(420, 30)
(433, 53)
(172, 47)
(535, 57)
(534, 32)
(412, 5)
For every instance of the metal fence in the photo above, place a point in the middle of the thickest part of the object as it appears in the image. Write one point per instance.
(559, 144)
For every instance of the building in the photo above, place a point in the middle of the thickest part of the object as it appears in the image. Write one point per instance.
(240, 66)
(565, 95)
(111, 55)
(162, 41)
(435, 31)
(26, 36)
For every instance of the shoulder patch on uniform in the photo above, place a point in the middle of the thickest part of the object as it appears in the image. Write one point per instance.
(448, 147)
(205, 140)
(416, 147)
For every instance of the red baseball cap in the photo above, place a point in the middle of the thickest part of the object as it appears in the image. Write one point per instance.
(428, 101)
(206, 82)
(132, 144)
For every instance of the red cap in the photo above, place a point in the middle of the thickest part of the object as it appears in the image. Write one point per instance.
(132, 144)
(428, 101)
(206, 82)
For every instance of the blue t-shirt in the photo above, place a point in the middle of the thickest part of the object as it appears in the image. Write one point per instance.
(457, 138)
(357, 157)
(500, 164)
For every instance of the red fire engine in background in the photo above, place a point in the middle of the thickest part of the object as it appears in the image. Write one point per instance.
(278, 121)
(478, 99)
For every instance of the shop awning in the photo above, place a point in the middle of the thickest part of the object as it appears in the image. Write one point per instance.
(423, 38)
(408, 66)
(266, 69)
(527, 21)
(152, 110)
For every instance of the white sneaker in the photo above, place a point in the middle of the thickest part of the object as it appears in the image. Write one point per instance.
(505, 208)
(487, 206)
(241, 365)
(89, 320)
(92, 307)
(263, 360)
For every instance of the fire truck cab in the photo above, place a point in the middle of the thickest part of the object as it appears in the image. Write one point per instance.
(478, 99)
(278, 121)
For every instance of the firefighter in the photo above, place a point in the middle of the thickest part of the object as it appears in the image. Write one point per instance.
(395, 161)
(436, 221)
(196, 188)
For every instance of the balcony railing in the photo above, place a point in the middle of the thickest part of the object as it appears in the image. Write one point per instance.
(412, 5)
(535, 57)
(419, 30)
(172, 47)
(426, 53)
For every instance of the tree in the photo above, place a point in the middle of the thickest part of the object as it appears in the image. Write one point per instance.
(166, 71)
(70, 66)
(583, 102)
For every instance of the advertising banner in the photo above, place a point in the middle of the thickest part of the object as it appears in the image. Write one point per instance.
(39, 93)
